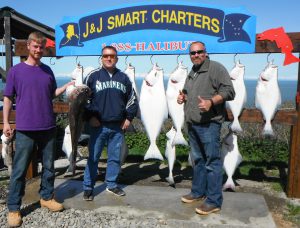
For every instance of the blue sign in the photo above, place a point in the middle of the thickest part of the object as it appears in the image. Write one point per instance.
(148, 29)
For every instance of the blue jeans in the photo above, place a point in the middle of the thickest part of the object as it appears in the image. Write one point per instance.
(112, 135)
(25, 142)
(205, 148)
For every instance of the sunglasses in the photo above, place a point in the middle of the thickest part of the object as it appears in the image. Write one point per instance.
(198, 52)
(106, 56)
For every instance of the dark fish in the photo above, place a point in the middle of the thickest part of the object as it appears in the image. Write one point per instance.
(77, 101)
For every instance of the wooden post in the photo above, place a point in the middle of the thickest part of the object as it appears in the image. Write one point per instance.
(293, 187)
(8, 46)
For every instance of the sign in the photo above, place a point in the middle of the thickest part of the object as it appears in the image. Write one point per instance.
(167, 28)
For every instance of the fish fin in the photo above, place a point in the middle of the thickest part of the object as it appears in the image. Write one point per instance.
(290, 58)
(191, 161)
(179, 139)
(235, 126)
(170, 179)
(153, 152)
(229, 184)
(268, 130)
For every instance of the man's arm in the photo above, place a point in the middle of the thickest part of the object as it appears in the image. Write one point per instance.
(7, 105)
(62, 89)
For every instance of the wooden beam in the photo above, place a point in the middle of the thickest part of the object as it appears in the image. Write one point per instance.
(266, 46)
(21, 49)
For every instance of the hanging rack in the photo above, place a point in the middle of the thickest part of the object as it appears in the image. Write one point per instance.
(126, 60)
(268, 58)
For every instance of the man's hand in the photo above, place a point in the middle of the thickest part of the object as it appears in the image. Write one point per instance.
(181, 97)
(204, 105)
(125, 124)
(7, 131)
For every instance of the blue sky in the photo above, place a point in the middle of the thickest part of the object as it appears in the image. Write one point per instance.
(269, 14)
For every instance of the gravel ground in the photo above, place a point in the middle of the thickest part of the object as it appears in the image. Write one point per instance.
(35, 216)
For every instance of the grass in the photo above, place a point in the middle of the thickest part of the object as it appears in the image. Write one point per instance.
(293, 213)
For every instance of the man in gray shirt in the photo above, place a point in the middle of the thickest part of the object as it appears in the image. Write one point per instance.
(206, 89)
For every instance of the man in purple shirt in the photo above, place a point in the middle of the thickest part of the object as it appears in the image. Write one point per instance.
(33, 86)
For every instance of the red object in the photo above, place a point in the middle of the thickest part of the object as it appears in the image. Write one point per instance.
(50, 43)
(297, 98)
(283, 42)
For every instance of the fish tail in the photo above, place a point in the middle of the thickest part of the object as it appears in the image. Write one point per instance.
(179, 139)
(153, 152)
(191, 161)
(170, 179)
(268, 130)
(290, 58)
(229, 184)
(235, 126)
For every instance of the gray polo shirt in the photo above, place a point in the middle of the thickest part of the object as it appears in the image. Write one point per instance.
(211, 79)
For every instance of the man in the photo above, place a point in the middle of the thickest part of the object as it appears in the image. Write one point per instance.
(33, 86)
(112, 107)
(206, 89)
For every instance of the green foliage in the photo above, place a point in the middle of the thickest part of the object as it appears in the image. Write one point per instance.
(293, 213)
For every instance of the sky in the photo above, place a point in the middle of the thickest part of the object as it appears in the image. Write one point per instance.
(269, 14)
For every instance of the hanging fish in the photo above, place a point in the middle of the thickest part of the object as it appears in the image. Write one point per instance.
(175, 84)
(231, 158)
(267, 95)
(236, 105)
(154, 110)
(170, 154)
(130, 71)
(7, 151)
(77, 97)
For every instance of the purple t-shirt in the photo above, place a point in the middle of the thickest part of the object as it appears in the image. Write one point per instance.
(34, 88)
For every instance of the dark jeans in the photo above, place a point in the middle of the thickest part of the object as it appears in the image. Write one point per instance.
(112, 135)
(25, 141)
(207, 177)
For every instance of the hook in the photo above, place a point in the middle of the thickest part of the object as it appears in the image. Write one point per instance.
(78, 63)
(234, 57)
(126, 60)
(151, 59)
(52, 63)
(178, 59)
(268, 59)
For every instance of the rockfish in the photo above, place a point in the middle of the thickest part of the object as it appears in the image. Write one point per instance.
(154, 110)
(236, 105)
(175, 84)
(7, 151)
(267, 96)
(170, 154)
(231, 158)
(77, 98)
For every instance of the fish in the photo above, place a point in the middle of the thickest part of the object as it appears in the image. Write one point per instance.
(170, 154)
(231, 158)
(268, 96)
(175, 84)
(77, 98)
(282, 41)
(154, 110)
(7, 151)
(236, 105)
(130, 71)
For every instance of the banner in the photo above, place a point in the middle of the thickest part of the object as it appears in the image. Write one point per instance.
(157, 29)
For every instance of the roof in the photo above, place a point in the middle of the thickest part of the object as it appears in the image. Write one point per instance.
(22, 26)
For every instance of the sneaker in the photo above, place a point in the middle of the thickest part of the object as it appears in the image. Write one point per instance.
(14, 219)
(88, 195)
(117, 191)
(205, 209)
(190, 198)
(52, 205)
